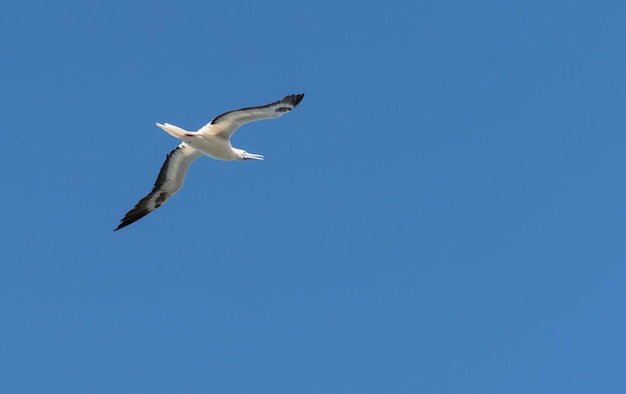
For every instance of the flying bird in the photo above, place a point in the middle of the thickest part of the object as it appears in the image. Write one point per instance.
(212, 140)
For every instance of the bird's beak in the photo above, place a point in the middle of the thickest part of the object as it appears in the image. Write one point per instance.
(252, 156)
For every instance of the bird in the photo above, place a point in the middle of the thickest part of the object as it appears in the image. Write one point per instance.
(212, 140)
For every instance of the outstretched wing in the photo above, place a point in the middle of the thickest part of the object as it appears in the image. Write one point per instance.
(227, 123)
(168, 183)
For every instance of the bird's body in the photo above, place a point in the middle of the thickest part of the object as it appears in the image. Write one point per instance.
(212, 140)
(213, 146)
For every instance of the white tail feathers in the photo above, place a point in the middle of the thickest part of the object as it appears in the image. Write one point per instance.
(174, 131)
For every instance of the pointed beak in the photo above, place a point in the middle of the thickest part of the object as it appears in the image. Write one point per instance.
(252, 156)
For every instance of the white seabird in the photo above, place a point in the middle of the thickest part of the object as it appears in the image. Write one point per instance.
(212, 140)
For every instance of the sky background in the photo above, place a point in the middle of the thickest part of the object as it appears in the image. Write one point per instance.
(443, 213)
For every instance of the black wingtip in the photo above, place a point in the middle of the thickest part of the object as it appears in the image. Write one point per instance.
(121, 225)
(293, 99)
(128, 220)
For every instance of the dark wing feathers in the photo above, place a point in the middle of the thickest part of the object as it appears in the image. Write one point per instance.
(168, 183)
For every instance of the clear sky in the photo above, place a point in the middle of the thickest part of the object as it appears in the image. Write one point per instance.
(443, 213)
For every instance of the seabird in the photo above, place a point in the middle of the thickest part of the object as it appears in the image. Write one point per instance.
(212, 140)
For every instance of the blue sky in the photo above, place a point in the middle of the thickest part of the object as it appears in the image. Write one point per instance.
(443, 213)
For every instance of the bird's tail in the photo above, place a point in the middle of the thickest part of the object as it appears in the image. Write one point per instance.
(174, 131)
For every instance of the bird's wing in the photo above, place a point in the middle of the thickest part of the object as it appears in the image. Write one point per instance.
(169, 181)
(227, 123)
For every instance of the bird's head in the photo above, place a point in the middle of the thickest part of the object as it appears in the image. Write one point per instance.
(247, 156)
